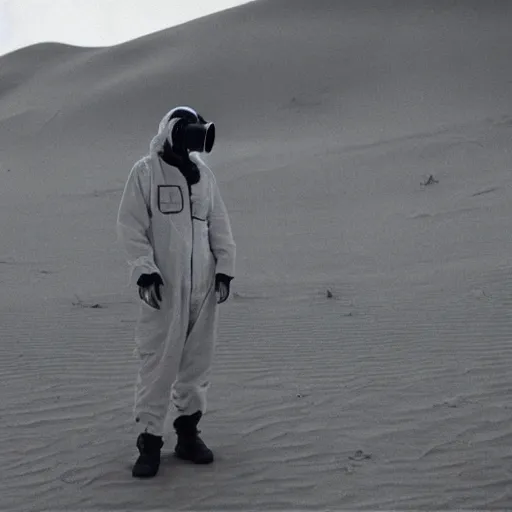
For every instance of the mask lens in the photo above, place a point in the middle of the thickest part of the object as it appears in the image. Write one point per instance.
(210, 137)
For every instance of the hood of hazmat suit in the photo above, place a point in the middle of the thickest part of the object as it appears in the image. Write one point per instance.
(183, 233)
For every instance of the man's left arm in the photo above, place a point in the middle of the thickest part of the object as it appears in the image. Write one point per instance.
(221, 237)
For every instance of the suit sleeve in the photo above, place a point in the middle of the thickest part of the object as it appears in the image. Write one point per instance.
(221, 237)
(133, 223)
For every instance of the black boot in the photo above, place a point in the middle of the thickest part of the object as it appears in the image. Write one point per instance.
(148, 462)
(190, 446)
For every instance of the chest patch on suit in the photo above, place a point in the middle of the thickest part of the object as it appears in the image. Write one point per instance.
(170, 199)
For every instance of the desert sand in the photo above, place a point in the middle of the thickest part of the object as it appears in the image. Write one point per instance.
(364, 358)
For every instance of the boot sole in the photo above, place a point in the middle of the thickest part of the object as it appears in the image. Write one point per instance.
(199, 462)
(151, 474)
(143, 477)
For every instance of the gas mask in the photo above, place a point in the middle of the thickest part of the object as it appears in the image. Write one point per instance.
(188, 131)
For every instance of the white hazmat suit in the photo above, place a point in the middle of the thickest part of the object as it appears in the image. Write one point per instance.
(182, 233)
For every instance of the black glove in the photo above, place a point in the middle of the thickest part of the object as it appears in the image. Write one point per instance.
(149, 289)
(222, 287)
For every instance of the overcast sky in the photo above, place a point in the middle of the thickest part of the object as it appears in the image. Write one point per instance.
(94, 22)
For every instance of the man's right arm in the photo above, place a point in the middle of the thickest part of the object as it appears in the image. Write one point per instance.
(133, 223)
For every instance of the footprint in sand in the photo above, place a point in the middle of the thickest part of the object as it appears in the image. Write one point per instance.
(478, 293)
(359, 456)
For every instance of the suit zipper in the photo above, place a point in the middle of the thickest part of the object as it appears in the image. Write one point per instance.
(192, 248)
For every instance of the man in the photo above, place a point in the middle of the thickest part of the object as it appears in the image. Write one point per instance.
(175, 229)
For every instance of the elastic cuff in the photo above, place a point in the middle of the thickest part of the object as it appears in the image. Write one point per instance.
(149, 279)
(223, 278)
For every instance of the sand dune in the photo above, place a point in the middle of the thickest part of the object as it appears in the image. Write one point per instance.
(364, 358)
